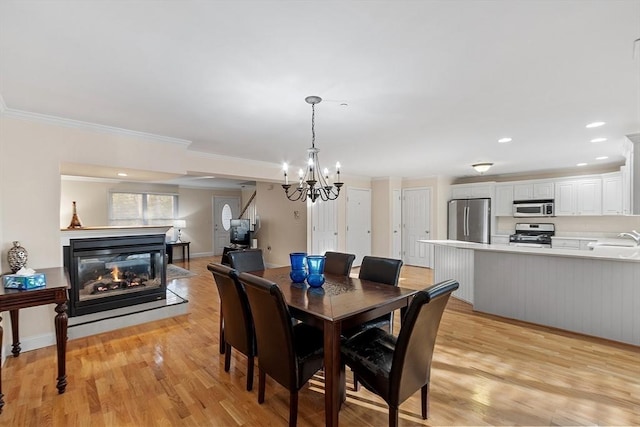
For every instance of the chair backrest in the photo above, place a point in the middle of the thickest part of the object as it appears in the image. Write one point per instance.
(246, 260)
(382, 270)
(411, 366)
(338, 263)
(238, 321)
(274, 330)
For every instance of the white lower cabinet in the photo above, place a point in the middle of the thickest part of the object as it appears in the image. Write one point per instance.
(559, 243)
(571, 243)
(499, 239)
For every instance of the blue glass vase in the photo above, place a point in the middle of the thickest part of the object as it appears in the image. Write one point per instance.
(298, 267)
(315, 264)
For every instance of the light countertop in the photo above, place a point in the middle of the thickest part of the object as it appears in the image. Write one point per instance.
(629, 255)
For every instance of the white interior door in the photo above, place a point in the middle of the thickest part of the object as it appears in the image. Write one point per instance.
(416, 220)
(396, 225)
(224, 209)
(324, 226)
(358, 223)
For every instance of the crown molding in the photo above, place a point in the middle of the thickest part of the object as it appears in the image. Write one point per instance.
(77, 124)
(205, 155)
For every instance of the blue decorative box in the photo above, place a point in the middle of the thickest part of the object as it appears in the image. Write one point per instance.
(14, 281)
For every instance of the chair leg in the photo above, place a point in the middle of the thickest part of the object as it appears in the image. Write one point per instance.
(227, 357)
(393, 416)
(424, 392)
(221, 333)
(356, 386)
(261, 385)
(293, 408)
(250, 364)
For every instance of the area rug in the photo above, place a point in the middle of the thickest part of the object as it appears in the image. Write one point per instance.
(175, 272)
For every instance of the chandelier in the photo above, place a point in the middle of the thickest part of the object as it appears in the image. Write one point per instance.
(313, 183)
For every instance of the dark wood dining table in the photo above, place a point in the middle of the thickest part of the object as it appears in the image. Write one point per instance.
(341, 303)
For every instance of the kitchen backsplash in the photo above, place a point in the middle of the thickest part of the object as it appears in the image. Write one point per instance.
(576, 226)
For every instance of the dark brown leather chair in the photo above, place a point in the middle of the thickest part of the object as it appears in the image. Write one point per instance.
(246, 260)
(395, 368)
(289, 354)
(381, 270)
(338, 263)
(241, 260)
(238, 322)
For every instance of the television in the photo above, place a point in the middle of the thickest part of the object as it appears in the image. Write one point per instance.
(240, 233)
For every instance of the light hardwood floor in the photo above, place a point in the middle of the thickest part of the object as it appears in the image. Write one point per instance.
(486, 371)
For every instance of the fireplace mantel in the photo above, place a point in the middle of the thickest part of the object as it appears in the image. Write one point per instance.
(66, 234)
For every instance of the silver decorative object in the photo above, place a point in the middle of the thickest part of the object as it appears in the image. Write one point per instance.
(17, 257)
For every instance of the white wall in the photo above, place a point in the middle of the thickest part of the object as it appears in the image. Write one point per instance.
(30, 185)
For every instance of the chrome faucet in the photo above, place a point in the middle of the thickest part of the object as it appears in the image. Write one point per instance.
(633, 235)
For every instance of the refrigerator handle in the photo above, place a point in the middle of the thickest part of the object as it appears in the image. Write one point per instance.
(466, 220)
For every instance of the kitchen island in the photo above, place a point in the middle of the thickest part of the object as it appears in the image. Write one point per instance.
(582, 291)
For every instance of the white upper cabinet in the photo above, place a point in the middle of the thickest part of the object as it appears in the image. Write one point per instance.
(475, 190)
(504, 200)
(533, 190)
(543, 190)
(522, 191)
(612, 200)
(565, 202)
(578, 196)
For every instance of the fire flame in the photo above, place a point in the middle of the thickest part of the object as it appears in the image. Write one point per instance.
(115, 273)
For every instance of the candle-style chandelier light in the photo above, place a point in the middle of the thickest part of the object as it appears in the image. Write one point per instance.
(313, 183)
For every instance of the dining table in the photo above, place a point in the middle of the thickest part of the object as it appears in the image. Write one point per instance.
(339, 304)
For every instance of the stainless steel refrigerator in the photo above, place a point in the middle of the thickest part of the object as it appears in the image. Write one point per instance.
(470, 220)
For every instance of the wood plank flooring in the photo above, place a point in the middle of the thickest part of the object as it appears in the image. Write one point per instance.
(486, 371)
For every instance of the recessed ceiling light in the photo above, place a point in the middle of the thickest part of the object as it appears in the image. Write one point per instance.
(582, 164)
(596, 140)
(122, 174)
(595, 125)
(602, 158)
(504, 140)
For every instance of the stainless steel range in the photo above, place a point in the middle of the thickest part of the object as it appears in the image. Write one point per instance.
(533, 235)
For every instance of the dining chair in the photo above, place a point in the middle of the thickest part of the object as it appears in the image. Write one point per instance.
(289, 354)
(241, 260)
(338, 263)
(246, 260)
(395, 368)
(238, 322)
(381, 270)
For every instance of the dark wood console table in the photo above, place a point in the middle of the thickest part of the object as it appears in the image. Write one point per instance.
(183, 245)
(55, 292)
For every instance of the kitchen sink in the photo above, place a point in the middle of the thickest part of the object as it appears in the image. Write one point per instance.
(617, 251)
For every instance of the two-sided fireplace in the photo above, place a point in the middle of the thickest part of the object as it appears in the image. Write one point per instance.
(113, 272)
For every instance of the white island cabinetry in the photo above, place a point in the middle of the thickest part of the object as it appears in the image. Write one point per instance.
(574, 290)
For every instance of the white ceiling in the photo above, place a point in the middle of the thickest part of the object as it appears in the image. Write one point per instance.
(430, 85)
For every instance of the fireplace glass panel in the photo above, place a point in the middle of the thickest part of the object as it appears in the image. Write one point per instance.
(118, 274)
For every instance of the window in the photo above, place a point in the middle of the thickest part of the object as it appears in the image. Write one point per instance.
(226, 217)
(142, 208)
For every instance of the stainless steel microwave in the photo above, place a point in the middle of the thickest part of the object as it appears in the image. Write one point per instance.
(533, 208)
